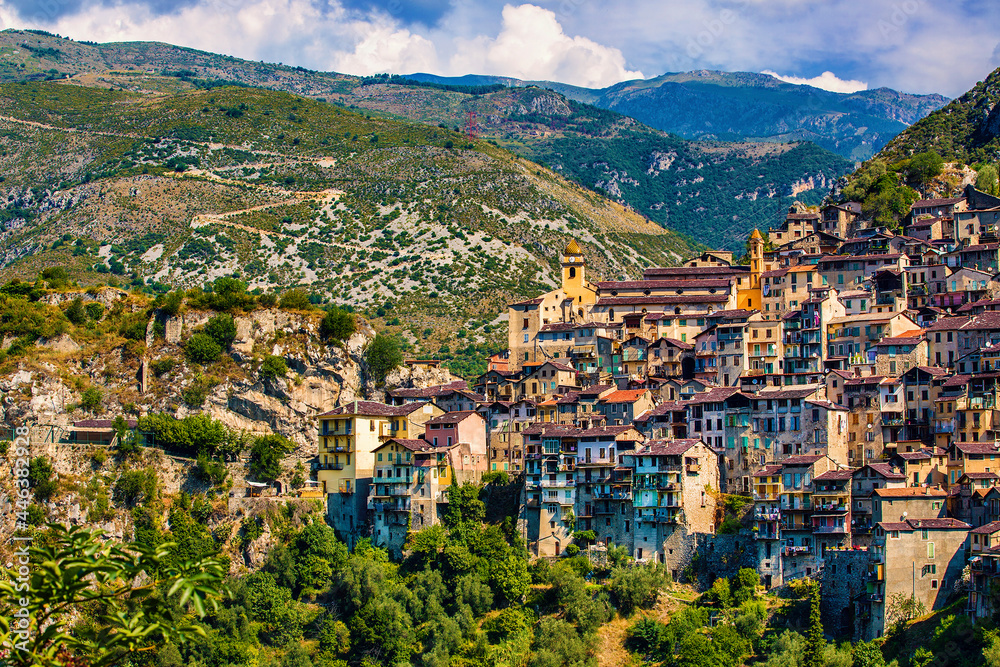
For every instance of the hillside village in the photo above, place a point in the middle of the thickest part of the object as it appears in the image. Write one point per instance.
(841, 376)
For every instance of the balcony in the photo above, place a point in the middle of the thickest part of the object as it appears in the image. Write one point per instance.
(328, 466)
(760, 515)
(796, 551)
(766, 535)
(551, 483)
(830, 530)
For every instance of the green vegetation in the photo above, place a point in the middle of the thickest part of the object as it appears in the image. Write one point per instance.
(383, 355)
(41, 478)
(265, 457)
(338, 325)
(273, 367)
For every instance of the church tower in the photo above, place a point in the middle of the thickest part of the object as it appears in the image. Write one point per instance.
(574, 284)
(749, 292)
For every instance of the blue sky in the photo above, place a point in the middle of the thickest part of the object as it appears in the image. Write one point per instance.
(919, 46)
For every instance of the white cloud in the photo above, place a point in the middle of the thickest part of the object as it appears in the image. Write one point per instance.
(388, 50)
(826, 81)
(531, 44)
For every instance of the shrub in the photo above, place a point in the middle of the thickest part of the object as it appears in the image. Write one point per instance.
(76, 313)
(135, 487)
(40, 473)
(273, 367)
(91, 399)
(268, 299)
(338, 325)
(95, 310)
(162, 366)
(36, 515)
(4, 447)
(170, 303)
(99, 457)
(202, 349)
(210, 470)
(295, 299)
(222, 329)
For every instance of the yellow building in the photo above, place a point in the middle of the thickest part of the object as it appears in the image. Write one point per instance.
(748, 290)
(348, 438)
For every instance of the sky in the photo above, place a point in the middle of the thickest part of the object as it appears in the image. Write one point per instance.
(916, 46)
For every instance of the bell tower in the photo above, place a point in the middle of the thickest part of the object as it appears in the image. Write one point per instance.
(749, 294)
(574, 268)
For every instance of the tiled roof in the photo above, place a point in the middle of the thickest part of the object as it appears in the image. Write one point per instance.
(624, 396)
(429, 392)
(889, 526)
(413, 444)
(640, 300)
(595, 390)
(768, 471)
(834, 475)
(667, 447)
(368, 409)
(598, 431)
(452, 417)
(529, 302)
(794, 392)
(910, 492)
(914, 456)
(886, 470)
(569, 398)
(713, 395)
(928, 203)
(981, 475)
(988, 529)
(675, 342)
(676, 283)
(938, 523)
(977, 447)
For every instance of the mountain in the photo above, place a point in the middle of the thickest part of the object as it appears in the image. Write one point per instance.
(717, 191)
(966, 130)
(138, 178)
(744, 106)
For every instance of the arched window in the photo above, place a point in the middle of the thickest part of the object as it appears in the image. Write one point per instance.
(677, 310)
(572, 272)
(611, 315)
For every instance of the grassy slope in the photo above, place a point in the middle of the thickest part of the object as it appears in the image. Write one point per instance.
(532, 122)
(362, 210)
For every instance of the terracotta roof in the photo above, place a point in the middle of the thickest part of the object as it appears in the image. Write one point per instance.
(886, 470)
(680, 283)
(413, 444)
(654, 272)
(988, 529)
(981, 475)
(369, 409)
(889, 526)
(569, 398)
(667, 447)
(871, 379)
(914, 456)
(529, 302)
(768, 471)
(794, 392)
(598, 431)
(595, 390)
(675, 342)
(910, 492)
(623, 396)
(977, 447)
(640, 300)
(552, 430)
(557, 326)
(713, 395)
(452, 417)
(938, 523)
(927, 203)
(834, 475)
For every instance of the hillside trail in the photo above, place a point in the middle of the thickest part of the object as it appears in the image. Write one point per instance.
(328, 196)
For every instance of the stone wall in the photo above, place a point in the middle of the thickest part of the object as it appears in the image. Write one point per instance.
(843, 581)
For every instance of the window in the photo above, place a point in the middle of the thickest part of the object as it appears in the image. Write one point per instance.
(930, 550)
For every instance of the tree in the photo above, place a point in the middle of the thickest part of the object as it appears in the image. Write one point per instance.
(170, 303)
(868, 654)
(383, 355)
(145, 598)
(986, 180)
(901, 608)
(222, 329)
(338, 325)
(273, 367)
(202, 349)
(509, 577)
(925, 166)
(266, 455)
(91, 399)
(815, 643)
(745, 585)
(295, 299)
(636, 587)
(75, 312)
(40, 478)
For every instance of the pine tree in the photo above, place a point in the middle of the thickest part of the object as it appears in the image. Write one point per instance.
(814, 639)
